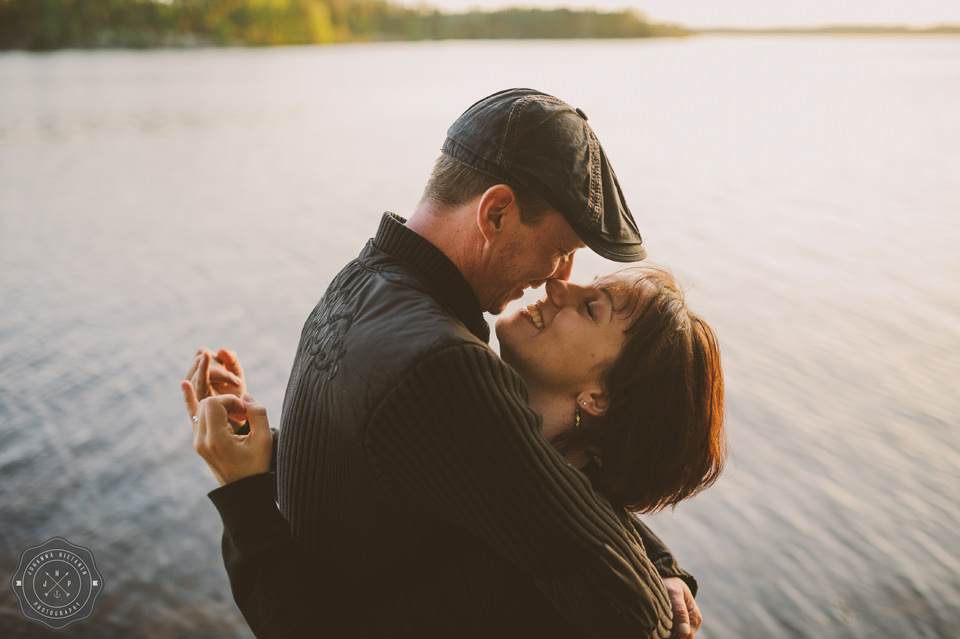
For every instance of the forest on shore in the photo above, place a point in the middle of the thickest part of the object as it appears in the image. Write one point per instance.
(41, 25)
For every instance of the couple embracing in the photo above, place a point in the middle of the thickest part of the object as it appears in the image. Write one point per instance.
(422, 486)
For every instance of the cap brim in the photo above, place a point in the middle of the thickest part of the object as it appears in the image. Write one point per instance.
(615, 251)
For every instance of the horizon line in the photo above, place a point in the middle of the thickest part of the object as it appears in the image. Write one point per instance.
(659, 21)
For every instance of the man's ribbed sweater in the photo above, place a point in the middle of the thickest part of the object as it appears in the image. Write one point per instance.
(409, 450)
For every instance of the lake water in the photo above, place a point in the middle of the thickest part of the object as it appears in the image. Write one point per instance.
(807, 190)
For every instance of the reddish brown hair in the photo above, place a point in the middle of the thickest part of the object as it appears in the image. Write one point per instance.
(662, 438)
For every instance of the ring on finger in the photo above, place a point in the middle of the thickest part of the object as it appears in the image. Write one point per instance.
(195, 419)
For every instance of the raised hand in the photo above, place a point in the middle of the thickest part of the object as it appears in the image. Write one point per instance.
(219, 373)
(230, 455)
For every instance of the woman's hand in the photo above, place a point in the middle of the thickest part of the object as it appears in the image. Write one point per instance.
(217, 373)
(686, 613)
(230, 456)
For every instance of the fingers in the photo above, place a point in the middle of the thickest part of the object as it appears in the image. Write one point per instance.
(198, 375)
(231, 456)
(696, 619)
(681, 620)
(216, 373)
(190, 399)
(261, 439)
(230, 360)
(222, 380)
(257, 416)
(231, 364)
(210, 377)
(195, 362)
(213, 429)
(203, 376)
(681, 616)
(230, 406)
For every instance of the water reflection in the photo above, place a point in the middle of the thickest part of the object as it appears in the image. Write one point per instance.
(805, 188)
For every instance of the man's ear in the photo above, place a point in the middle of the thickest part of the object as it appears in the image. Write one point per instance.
(594, 402)
(496, 206)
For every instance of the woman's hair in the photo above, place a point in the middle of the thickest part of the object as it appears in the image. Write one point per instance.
(662, 438)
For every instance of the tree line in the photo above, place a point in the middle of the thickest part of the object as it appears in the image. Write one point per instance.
(53, 24)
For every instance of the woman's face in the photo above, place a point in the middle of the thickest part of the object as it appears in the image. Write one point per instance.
(563, 343)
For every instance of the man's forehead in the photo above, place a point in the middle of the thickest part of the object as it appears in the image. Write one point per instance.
(572, 242)
(565, 235)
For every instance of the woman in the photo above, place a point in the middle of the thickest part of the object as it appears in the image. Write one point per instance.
(627, 379)
(629, 384)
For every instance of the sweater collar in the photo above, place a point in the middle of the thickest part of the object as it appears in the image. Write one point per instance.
(443, 279)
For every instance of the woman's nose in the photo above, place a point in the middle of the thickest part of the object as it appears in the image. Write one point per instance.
(561, 293)
(554, 289)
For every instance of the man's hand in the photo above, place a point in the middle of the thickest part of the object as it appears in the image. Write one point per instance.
(686, 614)
(229, 455)
(217, 373)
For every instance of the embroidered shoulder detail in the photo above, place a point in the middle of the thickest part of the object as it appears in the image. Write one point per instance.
(328, 328)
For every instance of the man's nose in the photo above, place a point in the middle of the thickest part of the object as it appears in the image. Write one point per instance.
(564, 268)
(562, 272)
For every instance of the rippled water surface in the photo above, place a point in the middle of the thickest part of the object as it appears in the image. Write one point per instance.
(806, 189)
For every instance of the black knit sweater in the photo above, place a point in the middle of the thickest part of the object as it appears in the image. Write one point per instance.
(419, 492)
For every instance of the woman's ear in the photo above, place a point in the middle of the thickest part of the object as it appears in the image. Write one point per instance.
(594, 403)
(495, 205)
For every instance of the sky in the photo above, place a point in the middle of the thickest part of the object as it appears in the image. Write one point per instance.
(752, 13)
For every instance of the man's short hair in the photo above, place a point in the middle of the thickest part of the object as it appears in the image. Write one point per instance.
(453, 183)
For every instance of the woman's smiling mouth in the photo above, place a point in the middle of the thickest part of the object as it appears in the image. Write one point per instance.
(533, 310)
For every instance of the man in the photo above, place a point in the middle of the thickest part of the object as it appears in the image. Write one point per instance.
(411, 471)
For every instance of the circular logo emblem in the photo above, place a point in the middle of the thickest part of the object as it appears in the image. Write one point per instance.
(57, 583)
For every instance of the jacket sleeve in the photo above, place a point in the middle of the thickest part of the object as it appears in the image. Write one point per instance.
(661, 556)
(285, 592)
(282, 591)
(456, 440)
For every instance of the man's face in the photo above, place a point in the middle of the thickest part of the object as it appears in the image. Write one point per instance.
(528, 256)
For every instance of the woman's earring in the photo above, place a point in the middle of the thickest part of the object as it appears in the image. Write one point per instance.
(576, 422)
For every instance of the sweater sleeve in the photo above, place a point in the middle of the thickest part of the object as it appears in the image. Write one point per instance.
(456, 440)
(661, 556)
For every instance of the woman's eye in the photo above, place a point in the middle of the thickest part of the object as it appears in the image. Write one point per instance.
(587, 307)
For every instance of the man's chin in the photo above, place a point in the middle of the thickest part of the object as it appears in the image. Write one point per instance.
(497, 306)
